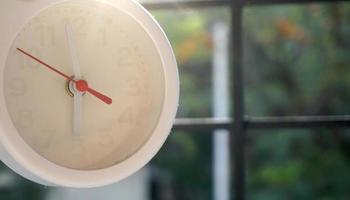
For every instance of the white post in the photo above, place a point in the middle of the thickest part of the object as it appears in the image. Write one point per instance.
(221, 109)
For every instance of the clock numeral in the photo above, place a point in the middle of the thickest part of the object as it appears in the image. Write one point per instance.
(17, 87)
(105, 137)
(47, 35)
(136, 87)
(148, 107)
(109, 21)
(124, 58)
(106, 140)
(131, 56)
(140, 62)
(79, 24)
(30, 63)
(101, 37)
(127, 116)
(143, 66)
(46, 138)
(133, 87)
(74, 10)
(79, 151)
(25, 119)
(123, 33)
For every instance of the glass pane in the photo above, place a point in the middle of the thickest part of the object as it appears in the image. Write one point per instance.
(298, 164)
(190, 33)
(15, 187)
(297, 59)
(183, 168)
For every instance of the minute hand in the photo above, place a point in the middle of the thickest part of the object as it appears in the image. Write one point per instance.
(81, 85)
(78, 96)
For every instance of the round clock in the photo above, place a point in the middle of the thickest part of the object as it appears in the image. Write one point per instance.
(89, 89)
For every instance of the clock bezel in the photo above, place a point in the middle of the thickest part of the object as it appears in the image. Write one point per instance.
(19, 156)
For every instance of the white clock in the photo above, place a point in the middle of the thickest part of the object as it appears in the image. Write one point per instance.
(88, 89)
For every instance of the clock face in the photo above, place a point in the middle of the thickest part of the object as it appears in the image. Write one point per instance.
(102, 48)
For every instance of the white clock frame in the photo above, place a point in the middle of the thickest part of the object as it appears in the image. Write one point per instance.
(21, 158)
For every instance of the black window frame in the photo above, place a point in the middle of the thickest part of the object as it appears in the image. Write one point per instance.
(241, 123)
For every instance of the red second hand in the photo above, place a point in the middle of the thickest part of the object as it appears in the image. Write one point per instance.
(81, 85)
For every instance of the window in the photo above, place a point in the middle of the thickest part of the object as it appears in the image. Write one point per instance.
(288, 135)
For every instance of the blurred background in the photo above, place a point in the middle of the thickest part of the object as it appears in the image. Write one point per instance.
(296, 63)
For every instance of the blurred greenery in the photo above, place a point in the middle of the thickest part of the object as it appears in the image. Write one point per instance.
(186, 158)
(189, 32)
(297, 59)
(13, 186)
(296, 62)
(298, 164)
(187, 155)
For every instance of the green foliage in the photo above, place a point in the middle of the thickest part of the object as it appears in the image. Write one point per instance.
(187, 157)
(18, 188)
(296, 62)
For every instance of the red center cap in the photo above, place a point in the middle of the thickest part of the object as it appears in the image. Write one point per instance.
(81, 85)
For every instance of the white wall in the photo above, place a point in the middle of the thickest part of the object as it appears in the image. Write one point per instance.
(136, 187)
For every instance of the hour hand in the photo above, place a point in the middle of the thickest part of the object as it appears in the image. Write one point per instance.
(77, 115)
(73, 51)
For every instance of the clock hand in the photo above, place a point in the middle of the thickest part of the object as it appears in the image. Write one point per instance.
(81, 85)
(77, 112)
(78, 108)
(73, 52)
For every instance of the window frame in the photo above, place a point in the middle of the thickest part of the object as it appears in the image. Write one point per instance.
(242, 123)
